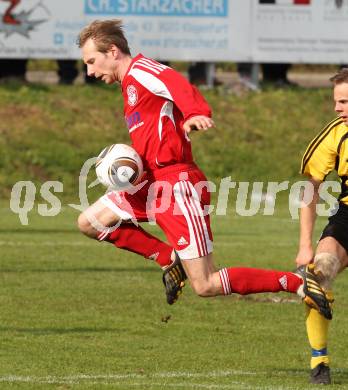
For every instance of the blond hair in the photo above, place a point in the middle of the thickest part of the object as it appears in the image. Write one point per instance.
(105, 33)
(340, 77)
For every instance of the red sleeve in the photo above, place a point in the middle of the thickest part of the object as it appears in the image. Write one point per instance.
(170, 84)
(186, 96)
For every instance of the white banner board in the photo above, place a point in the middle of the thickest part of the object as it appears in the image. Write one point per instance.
(308, 31)
(163, 29)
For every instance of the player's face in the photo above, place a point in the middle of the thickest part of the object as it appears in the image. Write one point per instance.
(341, 101)
(99, 65)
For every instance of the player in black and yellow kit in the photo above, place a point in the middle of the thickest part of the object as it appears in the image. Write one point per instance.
(327, 152)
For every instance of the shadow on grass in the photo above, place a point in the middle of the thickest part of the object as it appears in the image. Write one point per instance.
(55, 331)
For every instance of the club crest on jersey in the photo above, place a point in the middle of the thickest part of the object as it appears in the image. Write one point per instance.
(132, 95)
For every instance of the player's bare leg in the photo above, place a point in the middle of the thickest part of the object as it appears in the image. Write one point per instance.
(96, 215)
(204, 280)
(101, 223)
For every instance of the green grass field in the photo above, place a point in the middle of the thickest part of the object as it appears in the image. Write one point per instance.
(77, 314)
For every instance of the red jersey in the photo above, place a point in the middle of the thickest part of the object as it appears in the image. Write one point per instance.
(157, 102)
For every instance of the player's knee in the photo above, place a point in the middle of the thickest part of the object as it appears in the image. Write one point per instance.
(84, 225)
(203, 288)
(327, 266)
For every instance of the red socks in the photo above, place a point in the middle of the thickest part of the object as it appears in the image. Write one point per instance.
(252, 280)
(137, 240)
(233, 280)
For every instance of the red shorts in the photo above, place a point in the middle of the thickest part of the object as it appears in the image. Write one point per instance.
(178, 200)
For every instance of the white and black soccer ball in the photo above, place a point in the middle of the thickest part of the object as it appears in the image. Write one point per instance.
(119, 166)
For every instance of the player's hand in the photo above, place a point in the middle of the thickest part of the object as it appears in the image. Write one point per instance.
(199, 122)
(304, 256)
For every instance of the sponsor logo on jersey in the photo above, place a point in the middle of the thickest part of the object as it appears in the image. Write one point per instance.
(284, 282)
(132, 95)
(182, 241)
(154, 256)
(134, 121)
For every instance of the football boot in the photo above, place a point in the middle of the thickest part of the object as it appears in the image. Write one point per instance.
(320, 375)
(174, 277)
(314, 295)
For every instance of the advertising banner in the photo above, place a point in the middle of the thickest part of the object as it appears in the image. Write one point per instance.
(308, 31)
(163, 29)
(300, 31)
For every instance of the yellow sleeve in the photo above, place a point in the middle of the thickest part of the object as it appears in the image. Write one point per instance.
(320, 157)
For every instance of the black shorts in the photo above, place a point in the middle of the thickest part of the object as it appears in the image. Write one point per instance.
(338, 226)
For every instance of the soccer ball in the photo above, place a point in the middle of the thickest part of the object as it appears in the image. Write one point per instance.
(119, 166)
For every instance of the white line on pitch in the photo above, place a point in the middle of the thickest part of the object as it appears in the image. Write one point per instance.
(213, 374)
(110, 379)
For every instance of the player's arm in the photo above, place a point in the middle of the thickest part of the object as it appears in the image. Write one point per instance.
(195, 109)
(318, 161)
(198, 122)
(308, 214)
(164, 81)
(187, 98)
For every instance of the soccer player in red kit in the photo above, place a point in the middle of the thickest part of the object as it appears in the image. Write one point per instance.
(161, 108)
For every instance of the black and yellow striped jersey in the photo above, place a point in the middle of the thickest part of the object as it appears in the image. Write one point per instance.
(327, 152)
